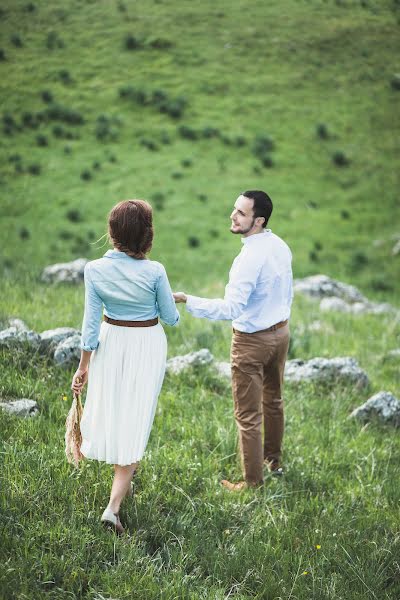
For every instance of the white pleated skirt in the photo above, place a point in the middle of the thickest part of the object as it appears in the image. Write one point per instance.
(126, 373)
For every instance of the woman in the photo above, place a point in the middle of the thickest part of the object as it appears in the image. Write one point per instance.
(127, 352)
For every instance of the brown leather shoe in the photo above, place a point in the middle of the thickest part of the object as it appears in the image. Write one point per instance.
(274, 467)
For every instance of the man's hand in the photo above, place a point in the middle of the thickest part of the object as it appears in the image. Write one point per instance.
(179, 297)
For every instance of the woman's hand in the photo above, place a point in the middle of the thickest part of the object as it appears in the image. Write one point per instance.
(79, 380)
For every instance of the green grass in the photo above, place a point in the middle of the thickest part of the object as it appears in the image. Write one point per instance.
(277, 69)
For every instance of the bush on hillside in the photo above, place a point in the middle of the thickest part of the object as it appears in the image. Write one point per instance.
(131, 42)
(176, 175)
(214, 233)
(210, 132)
(322, 131)
(158, 200)
(56, 112)
(267, 161)
(187, 133)
(42, 141)
(14, 158)
(193, 241)
(186, 163)
(239, 141)
(2, 55)
(86, 175)
(358, 261)
(345, 214)
(121, 7)
(262, 145)
(31, 120)
(30, 7)
(165, 137)
(9, 124)
(96, 166)
(47, 96)
(313, 256)
(106, 130)
(340, 159)
(53, 41)
(202, 197)
(24, 233)
(58, 131)
(34, 169)
(65, 235)
(149, 144)
(160, 43)
(395, 82)
(65, 76)
(16, 40)
(67, 150)
(74, 215)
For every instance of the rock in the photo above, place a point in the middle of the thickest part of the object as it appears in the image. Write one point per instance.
(17, 323)
(177, 364)
(394, 353)
(223, 369)
(12, 338)
(50, 338)
(383, 406)
(396, 248)
(341, 369)
(71, 272)
(322, 286)
(340, 297)
(68, 352)
(21, 408)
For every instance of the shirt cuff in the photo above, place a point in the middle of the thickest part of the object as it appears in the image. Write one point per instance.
(89, 348)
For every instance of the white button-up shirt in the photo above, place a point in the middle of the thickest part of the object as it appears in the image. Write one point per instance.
(260, 289)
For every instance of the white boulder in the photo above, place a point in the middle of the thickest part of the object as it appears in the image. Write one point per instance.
(177, 364)
(68, 352)
(21, 408)
(50, 338)
(71, 272)
(383, 407)
(340, 369)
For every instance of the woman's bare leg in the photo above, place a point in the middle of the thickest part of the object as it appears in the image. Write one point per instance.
(121, 485)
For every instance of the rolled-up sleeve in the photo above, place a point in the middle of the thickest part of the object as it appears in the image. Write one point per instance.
(165, 301)
(242, 282)
(93, 312)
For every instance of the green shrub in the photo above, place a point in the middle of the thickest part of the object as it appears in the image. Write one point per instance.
(65, 76)
(53, 41)
(395, 82)
(158, 200)
(42, 141)
(2, 55)
(187, 133)
(34, 169)
(65, 235)
(340, 159)
(14, 158)
(106, 130)
(67, 150)
(56, 112)
(262, 145)
(96, 165)
(165, 138)
(239, 141)
(30, 120)
(193, 241)
(86, 175)
(202, 197)
(47, 96)
(345, 214)
(30, 7)
(267, 161)
(16, 40)
(74, 215)
(313, 256)
(358, 261)
(210, 132)
(322, 131)
(24, 233)
(131, 42)
(186, 163)
(58, 131)
(149, 144)
(160, 43)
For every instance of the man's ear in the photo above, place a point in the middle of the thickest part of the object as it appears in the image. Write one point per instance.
(260, 220)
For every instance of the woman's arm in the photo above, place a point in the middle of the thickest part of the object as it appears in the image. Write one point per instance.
(90, 331)
(165, 301)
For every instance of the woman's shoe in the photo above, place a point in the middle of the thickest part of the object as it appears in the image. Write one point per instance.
(110, 519)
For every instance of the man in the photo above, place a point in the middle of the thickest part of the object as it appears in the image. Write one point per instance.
(257, 299)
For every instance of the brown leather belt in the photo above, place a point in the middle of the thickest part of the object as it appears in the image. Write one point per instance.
(149, 323)
(272, 328)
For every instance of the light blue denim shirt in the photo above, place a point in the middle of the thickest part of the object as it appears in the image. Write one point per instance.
(124, 288)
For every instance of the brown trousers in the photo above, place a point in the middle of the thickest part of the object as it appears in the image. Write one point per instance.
(258, 362)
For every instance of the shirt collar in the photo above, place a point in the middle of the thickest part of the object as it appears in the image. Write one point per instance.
(115, 254)
(256, 236)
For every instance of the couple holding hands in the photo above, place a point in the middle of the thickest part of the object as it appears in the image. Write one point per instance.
(127, 350)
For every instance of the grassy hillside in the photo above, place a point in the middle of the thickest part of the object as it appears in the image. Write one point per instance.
(187, 104)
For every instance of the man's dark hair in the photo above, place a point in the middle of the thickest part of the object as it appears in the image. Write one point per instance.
(262, 204)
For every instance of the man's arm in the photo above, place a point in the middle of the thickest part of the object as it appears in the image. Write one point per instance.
(241, 284)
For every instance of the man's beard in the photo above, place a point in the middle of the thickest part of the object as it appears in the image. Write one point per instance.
(244, 231)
